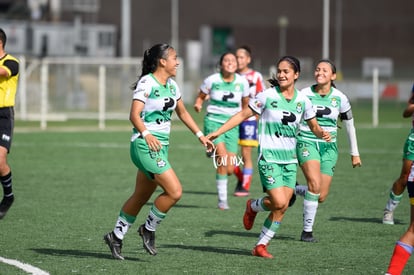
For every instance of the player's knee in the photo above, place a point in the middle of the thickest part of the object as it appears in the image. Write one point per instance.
(176, 195)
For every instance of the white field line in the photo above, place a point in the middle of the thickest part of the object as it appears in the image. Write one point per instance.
(26, 267)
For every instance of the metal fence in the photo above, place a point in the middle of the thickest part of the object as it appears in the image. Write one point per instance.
(66, 88)
(76, 88)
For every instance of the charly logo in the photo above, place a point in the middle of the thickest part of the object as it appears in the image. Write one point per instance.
(224, 160)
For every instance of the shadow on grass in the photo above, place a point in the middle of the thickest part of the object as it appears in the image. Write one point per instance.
(159, 191)
(178, 205)
(212, 233)
(366, 220)
(200, 193)
(77, 253)
(220, 250)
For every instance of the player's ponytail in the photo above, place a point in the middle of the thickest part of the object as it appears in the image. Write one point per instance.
(151, 60)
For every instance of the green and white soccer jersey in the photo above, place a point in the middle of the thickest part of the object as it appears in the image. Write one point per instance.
(327, 108)
(225, 97)
(160, 101)
(279, 123)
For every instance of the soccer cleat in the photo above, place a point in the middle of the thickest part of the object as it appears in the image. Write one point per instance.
(222, 205)
(115, 245)
(5, 205)
(261, 251)
(292, 200)
(148, 239)
(307, 237)
(388, 217)
(249, 216)
(240, 191)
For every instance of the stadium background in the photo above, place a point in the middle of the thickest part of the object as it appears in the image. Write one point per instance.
(378, 28)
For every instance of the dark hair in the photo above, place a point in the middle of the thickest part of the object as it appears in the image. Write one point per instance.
(3, 37)
(151, 60)
(246, 48)
(222, 57)
(333, 67)
(293, 61)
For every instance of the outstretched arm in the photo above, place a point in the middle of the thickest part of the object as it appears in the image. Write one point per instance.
(188, 120)
(232, 122)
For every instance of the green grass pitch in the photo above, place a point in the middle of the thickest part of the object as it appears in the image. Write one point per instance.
(70, 185)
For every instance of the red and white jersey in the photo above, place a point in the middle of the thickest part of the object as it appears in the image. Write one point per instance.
(256, 84)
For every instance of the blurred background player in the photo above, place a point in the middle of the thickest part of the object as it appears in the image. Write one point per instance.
(9, 77)
(317, 157)
(227, 91)
(398, 187)
(248, 128)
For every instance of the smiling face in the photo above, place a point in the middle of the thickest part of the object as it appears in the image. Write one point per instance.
(286, 74)
(324, 74)
(228, 64)
(171, 63)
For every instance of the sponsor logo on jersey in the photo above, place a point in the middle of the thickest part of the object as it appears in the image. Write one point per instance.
(258, 104)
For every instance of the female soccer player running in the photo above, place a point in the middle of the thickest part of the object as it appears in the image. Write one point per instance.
(156, 96)
(227, 91)
(281, 109)
(317, 157)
